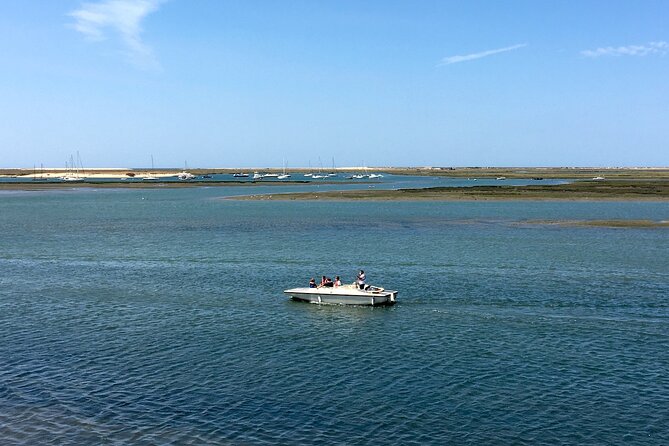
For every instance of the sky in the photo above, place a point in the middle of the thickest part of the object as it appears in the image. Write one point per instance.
(244, 83)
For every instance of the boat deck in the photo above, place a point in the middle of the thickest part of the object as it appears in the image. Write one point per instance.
(344, 295)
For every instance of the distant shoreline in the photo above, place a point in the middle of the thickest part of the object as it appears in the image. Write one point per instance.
(459, 172)
(44, 185)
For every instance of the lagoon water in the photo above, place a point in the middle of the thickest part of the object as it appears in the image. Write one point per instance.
(157, 317)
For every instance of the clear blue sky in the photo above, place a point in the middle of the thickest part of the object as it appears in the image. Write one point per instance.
(388, 83)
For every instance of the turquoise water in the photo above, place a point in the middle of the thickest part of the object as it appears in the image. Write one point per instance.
(157, 317)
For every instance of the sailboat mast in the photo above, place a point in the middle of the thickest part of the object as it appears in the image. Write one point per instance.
(80, 164)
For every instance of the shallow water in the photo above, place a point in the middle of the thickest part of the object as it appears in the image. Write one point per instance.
(157, 317)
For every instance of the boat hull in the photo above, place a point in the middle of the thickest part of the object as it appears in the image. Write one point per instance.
(343, 296)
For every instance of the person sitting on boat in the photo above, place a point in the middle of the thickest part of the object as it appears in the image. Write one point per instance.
(361, 280)
(325, 282)
(337, 281)
(312, 283)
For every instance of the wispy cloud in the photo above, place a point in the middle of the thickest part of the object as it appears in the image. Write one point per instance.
(123, 17)
(482, 54)
(661, 48)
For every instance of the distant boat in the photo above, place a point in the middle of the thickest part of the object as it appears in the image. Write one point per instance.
(71, 178)
(257, 176)
(375, 175)
(333, 173)
(500, 178)
(185, 175)
(150, 176)
(320, 173)
(41, 174)
(72, 171)
(240, 175)
(271, 175)
(284, 175)
(599, 178)
(310, 174)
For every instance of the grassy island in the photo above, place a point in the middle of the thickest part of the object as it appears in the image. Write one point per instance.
(614, 190)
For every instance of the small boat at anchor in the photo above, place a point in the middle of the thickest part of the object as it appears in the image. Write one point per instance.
(185, 176)
(344, 295)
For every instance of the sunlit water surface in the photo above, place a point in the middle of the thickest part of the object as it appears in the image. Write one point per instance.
(157, 317)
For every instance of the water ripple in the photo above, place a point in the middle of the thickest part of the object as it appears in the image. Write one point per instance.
(127, 326)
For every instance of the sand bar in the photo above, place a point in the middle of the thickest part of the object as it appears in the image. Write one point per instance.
(614, 190)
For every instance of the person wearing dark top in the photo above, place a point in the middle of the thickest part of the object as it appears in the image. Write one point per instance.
(312, 283)
(325, 282)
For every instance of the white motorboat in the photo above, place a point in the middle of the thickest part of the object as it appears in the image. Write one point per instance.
(257, 176)
(599, 178)
(71, 178)
(184, 175)
(344, 295)
(240, 175)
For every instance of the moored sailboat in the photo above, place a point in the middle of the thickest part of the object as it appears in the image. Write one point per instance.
(284, 175)
(72, 170)
(150, 176)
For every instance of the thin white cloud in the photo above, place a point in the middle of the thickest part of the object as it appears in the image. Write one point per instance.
(465, 58)
(123, 17)
(659, 48)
